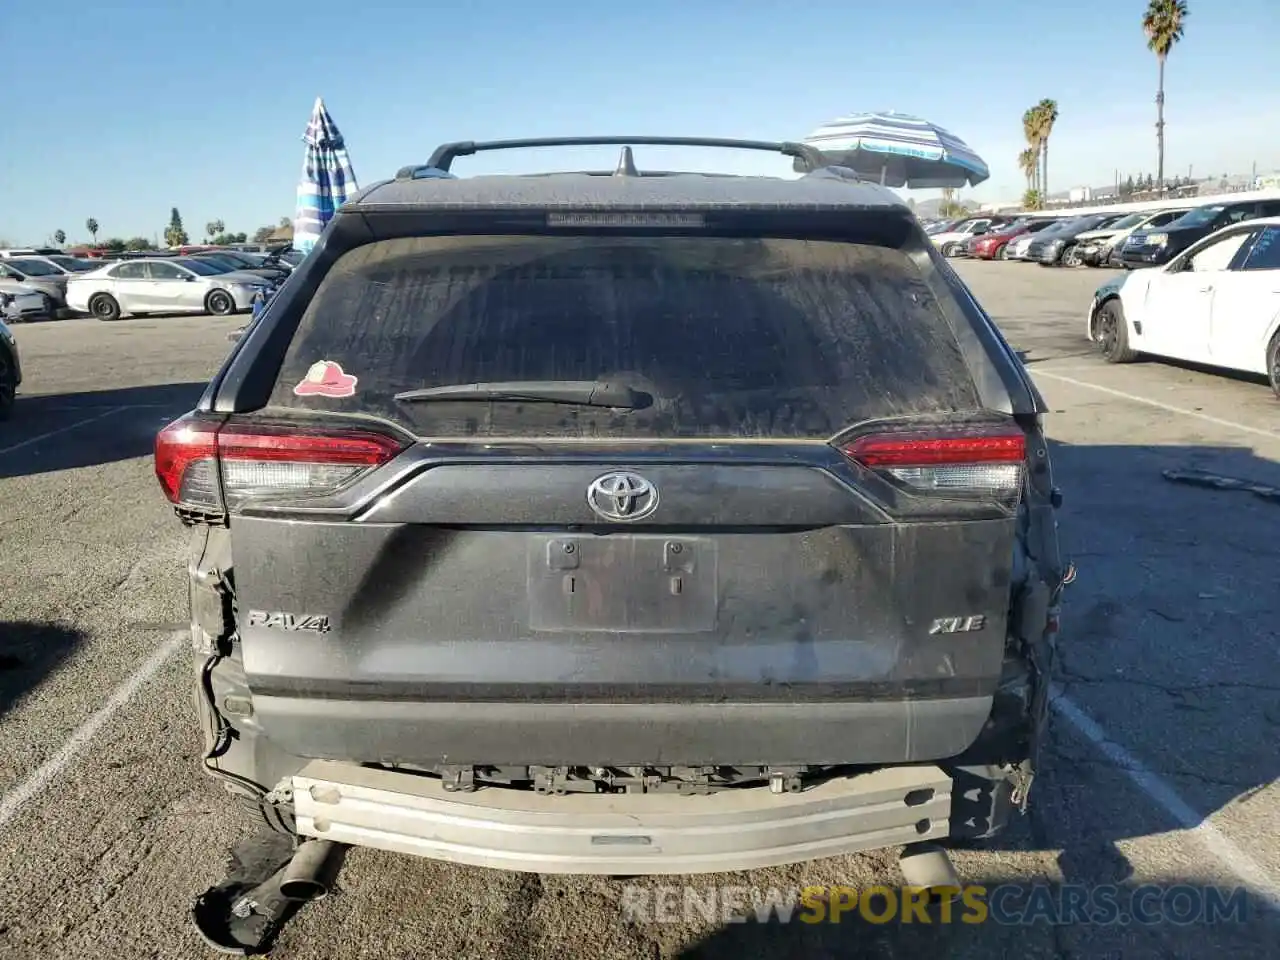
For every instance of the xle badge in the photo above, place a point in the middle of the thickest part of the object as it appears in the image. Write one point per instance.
(311, 623)
(957, 624)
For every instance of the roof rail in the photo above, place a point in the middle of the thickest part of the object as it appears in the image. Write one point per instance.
(444, 155)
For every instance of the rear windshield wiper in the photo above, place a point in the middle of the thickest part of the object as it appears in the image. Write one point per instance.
(584, 393)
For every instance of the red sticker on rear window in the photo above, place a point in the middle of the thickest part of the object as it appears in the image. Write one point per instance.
(326, 379)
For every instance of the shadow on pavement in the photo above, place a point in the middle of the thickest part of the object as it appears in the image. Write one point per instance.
(1241, 376)
(1031, 357)
(29, 652)
(152, 395)
(53, 432)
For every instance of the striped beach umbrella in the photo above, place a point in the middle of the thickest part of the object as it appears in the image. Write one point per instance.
(899, 150)
(327, 178)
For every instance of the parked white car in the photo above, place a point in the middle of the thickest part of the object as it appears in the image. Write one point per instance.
(953, 242)
(1217, 303)
(162, 285)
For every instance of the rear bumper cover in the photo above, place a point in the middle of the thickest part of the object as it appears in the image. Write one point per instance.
(620, 834)
(623, 734)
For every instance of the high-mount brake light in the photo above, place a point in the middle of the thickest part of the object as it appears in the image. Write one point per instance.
(203, 466)
(984, 462)
(624, 220)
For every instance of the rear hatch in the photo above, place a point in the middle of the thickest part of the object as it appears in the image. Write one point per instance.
(620, 500)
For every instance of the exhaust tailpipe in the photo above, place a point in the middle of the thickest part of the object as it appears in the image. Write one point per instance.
(312, 872)
(927, 865)
(242, 918)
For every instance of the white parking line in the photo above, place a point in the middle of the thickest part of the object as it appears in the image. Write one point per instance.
(48, 771)
(53, 433)
(1247, 870)
(1168, 407)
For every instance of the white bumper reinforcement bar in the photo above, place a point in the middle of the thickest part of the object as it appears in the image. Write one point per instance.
(620, 833)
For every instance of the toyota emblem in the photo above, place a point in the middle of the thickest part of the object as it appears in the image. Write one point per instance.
(622, 497)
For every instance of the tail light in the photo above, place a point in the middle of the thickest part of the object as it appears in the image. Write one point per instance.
(204, 465)
(970, 462)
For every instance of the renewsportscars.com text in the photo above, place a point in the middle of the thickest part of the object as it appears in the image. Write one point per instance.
(1006, 904)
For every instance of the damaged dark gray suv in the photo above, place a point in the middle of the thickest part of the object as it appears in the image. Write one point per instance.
(621, 523)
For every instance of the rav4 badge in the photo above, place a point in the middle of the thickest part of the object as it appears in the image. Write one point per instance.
(312, 623)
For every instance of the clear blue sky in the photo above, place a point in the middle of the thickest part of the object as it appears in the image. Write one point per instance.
(122, 110)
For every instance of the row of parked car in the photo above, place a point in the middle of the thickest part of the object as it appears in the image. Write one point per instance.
(221, 281)
(1129, 240)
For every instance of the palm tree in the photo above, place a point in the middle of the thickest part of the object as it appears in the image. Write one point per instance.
(1047, 116)
(59, 237)
(92, 226)
(1030, 130)
(1029, 163)
(1162, 23)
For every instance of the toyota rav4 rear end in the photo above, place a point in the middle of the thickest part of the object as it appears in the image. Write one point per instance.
(621, 524)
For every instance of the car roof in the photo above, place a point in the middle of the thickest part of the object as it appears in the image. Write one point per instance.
(433, 185)
(1252, 222)
(1256, 222)
(823, 189)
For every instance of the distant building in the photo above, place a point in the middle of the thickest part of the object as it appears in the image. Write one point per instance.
(1080, 195)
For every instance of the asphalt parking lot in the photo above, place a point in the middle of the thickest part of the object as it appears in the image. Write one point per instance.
(1161, 770)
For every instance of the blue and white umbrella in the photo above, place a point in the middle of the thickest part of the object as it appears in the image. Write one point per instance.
(327, 178)
(900, 150)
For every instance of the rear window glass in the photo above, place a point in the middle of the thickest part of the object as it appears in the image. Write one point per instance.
(729, 338)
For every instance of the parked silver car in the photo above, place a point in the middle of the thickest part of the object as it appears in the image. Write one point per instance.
(39, 273)
(21, 301)
(168, 285)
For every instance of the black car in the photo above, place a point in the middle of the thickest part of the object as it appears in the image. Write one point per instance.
(243, 263)
(137, 254)
(1153, 248)
(10, 365)
(531, 501)
(1048, 248)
